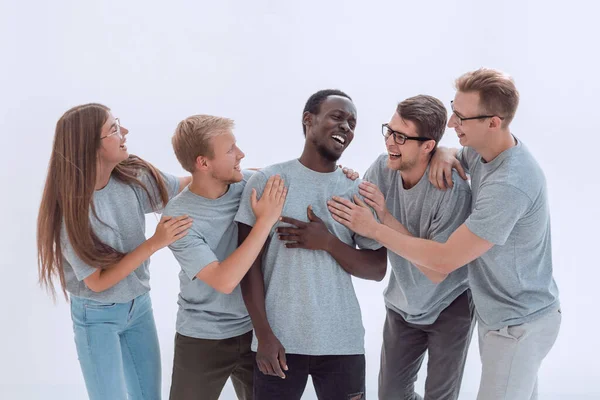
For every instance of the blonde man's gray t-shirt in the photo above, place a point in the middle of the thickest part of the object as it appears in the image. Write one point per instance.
(204, 312)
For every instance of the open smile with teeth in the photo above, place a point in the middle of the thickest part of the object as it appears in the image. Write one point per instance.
(123, 146)
(237, 167)
(340, 139)
(394, 155)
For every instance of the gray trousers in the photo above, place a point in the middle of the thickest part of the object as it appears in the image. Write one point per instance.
(511, 357)
(404, 346)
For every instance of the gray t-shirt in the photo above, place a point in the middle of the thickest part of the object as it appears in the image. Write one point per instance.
(512, 282)
(121, 209)
(428, 213)
(310, 300)
(204, 312)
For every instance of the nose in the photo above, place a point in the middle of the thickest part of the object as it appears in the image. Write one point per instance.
(452, 121)
(241, 155)
(389, 142)
(345, 126)
(124, 131)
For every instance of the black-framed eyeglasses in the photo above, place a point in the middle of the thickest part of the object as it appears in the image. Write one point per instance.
(116, 132)
(399, 138)
(461, 119)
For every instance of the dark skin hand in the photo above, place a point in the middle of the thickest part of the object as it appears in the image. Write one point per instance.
(314, 235)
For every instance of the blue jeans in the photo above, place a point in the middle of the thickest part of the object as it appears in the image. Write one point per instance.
(118, 350)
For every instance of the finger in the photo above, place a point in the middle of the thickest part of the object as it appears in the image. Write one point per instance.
(267, 366)
(281, 198)
(343, 201)
(340, 209)
(342, 206)
(175, 222)
(164, 219)
(354, 176)
(367, 187)
(182, 225)
(312, 216)
(253, 200)
(181, 229)
(339, 213)
(293, 221)
(290, 238)
(460, 170)
(294, 245)
(181, 234)
(277, 368)
(365, 194)
(432, 177)
(289, 231)
(358, 201)
(448, 180)
(440, 178)
(282, 359)
(277, 187)
(341, 221)
(261, 367)
(269, 186)
(371, 203)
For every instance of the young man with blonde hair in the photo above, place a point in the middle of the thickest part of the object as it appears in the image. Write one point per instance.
(506, 238)
(214, 330)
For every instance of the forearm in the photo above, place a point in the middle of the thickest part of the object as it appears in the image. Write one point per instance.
(253, 289)
(365, 264)
(108, 277)
(225, 276)
(425, 254)
(253, 292)
(390, 221)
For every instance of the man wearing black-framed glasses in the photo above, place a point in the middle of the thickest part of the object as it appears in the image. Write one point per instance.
(421, 316)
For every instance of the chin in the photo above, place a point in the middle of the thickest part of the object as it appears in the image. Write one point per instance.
(237, 176)
(393, 164)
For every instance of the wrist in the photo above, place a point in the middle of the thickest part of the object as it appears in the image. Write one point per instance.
(264, 334)
(384, 216)
(151, 246)
(263, 223)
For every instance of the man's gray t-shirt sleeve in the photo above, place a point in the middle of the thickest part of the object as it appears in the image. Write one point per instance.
(497, 209)
(193, 253)
(245, 215)
(374, 172)
(453, 213)
(463, 155)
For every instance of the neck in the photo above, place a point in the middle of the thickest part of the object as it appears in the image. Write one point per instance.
(103, 172)
(207, 186)
(311, 159)
(496, 145)
(411, 177)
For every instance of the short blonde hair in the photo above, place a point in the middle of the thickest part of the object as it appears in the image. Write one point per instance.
(497, 92)
(192, 138)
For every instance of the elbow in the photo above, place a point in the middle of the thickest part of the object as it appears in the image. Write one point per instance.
(381, 271)
(225, 287)
(95, 287)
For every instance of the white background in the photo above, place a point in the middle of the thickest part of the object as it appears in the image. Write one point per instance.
(257, 62)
